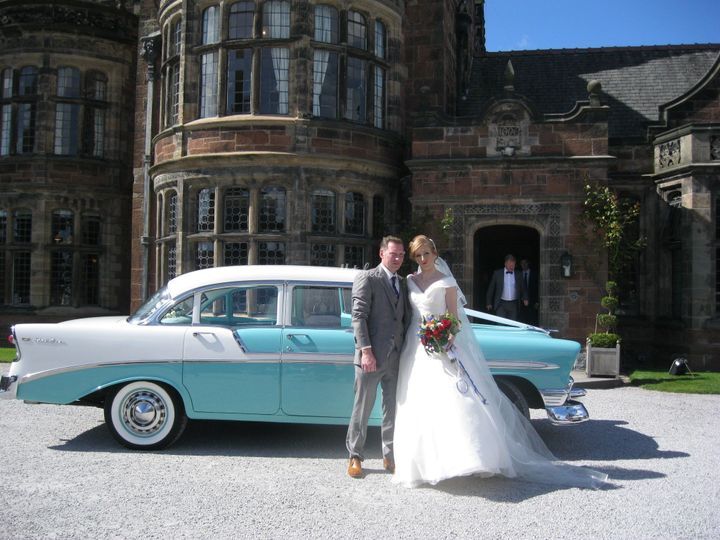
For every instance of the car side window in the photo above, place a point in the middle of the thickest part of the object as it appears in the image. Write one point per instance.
(240, 306)
(316, 306)
(180, 313)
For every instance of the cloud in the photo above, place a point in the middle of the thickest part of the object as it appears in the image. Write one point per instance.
(523, 42)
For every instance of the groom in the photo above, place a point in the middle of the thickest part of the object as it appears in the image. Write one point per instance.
(379, 313)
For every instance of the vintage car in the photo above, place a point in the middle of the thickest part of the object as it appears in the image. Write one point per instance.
(252, 343)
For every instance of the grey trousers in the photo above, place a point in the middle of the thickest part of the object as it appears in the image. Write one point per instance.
(509, 310)
(366, 385)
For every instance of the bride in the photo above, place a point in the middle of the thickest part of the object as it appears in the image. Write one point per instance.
(449, 423)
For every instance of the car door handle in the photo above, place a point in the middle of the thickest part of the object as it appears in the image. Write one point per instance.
(292, 336)
(196, 334)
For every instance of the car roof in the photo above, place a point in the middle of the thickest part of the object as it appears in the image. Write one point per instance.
(230, 274)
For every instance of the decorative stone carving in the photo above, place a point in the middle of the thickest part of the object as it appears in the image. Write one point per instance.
(669, 154)
(508, 133)
(715, 147)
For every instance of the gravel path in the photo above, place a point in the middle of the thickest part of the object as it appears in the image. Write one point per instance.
(65, 477)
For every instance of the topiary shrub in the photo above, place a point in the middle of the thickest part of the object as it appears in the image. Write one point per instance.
(604, 335)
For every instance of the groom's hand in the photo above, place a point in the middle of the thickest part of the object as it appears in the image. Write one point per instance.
(368, 363)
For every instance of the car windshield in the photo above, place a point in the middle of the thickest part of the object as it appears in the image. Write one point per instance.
(158, 301)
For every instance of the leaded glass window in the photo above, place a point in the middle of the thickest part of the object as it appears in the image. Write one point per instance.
(205, 255)
(90, 279)
(276, 19)
(325, 83)
(237, 208)
(354, 213)
(380, 39)
(206, 210)
(91, 230)
(236, 253)
(61, 283)
(21, 278)
(172, 213)
(379, 98)
(274, 68)
(272, 210)
(210, 25)
(62, 226)
(22, 225)
(323, 211)
(27, 82)
(240, 21)
(326, 24)
(356, 90)
(354, 256)
(208, 84)
(356, 30)
(271, 253)
(322, 255)
(239, 81)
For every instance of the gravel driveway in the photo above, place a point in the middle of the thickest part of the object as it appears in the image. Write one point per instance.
(65, 477)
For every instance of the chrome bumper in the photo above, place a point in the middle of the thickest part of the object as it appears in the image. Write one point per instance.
(8, 386)
(572, 412)
(561, 407)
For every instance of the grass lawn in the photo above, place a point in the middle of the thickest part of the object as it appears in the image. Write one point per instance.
(702, 382)
(7, 354)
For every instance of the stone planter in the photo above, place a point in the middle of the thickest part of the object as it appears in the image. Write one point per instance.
(602, 361)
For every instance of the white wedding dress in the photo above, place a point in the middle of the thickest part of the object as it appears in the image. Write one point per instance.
(442, 433)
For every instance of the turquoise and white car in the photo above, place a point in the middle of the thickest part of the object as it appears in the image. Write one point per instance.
(250, 343)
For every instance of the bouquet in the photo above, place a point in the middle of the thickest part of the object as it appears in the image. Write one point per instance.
(435, 331)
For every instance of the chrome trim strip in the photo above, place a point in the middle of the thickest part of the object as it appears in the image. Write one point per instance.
(69, 369)
(264, 359)
(327, 358)
(511, 364)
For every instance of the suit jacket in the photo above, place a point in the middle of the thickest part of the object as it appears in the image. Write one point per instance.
(532, 287)
(495, 289)
(379, 318)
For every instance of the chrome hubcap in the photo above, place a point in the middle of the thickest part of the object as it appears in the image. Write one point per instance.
(144, 413)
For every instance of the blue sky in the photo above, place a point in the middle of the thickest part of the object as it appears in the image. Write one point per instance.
(558, 24)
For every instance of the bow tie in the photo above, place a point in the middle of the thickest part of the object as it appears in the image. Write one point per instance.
(508, 272)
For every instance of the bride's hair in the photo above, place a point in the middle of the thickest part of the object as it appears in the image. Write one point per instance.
(418, 242)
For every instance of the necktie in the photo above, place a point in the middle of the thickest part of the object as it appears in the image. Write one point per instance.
(393, 280)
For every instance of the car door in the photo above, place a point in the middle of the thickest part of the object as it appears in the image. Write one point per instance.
(231, 361)
(317, 353)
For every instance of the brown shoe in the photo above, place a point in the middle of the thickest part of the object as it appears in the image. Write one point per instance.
(389, 465)
(355, 468)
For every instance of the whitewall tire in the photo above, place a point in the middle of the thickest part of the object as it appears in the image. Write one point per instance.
(144, 415)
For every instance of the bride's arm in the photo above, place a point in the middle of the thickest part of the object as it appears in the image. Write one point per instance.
(451, 302)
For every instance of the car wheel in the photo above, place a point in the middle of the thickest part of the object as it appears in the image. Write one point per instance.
(143, 415)
(516, 397)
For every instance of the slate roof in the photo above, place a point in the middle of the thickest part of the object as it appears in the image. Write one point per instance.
(635, 80)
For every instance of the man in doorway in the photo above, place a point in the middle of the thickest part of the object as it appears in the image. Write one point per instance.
(529, 312)
(506, 290)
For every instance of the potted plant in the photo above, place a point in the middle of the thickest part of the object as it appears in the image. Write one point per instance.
(603, 345)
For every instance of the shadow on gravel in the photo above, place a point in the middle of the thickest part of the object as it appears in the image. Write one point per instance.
(209, 438)
(598, 440)
(602, 440)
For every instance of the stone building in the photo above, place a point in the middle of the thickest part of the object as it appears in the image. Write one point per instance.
(299, 132)
(67, 70)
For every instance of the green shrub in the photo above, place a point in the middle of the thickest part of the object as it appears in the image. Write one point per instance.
(606, 340)
(606, 320)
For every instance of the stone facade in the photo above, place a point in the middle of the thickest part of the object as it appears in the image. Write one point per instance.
(67, 69)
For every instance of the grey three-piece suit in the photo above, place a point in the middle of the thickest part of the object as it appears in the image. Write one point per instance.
(379, 320)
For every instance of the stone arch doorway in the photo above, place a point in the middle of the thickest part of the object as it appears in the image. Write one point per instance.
(491, 244)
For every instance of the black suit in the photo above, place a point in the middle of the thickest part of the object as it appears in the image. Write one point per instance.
(505, 308)
(529, 313)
